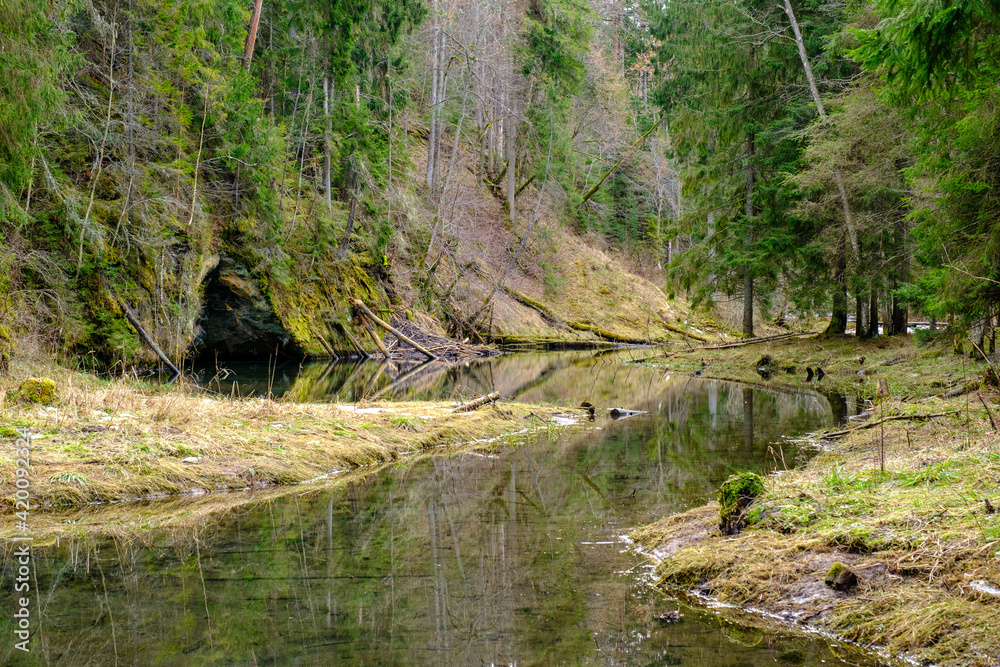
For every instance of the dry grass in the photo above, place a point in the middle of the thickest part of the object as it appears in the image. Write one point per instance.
(918, 533)
(912, 372)
(123, 439)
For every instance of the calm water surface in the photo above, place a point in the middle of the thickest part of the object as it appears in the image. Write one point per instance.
(507, 555)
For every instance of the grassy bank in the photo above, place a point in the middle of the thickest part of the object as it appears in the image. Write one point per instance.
(850, 366)
(117, 440)
(917, 531)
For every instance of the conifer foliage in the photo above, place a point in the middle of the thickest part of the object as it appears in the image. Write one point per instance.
(804, 156)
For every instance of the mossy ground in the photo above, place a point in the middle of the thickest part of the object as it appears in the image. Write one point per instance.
(124, 439)
(917, 533)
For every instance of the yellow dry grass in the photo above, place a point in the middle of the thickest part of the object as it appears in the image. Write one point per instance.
(123, 439)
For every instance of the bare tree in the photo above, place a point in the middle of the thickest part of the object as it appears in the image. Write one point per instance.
(251, 34)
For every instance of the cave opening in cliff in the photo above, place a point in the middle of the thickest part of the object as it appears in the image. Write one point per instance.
(237, 321)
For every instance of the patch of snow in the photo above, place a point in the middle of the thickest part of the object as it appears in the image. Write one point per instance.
(986, 587)
(563, 421)
(362, 411)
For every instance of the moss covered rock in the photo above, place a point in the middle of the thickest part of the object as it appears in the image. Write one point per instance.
(840, 577)
(735, 496)
(765, 366)
(36, 390)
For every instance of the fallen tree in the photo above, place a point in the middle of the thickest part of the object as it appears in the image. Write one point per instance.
(478, 402)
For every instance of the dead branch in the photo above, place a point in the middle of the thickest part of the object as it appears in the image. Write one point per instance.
(478, 402)
(989, 413)
(149, 340)
(395, 332)
(840, 434)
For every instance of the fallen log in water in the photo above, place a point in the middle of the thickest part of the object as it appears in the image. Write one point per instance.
(741, 343)
(478, 402)
(354, 341)
(374, 336)
(622, 413)
(608, 335)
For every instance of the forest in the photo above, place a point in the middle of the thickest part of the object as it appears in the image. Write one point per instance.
(500, 332)
(824, 158)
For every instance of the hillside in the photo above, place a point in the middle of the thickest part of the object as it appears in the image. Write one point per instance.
(235, 176)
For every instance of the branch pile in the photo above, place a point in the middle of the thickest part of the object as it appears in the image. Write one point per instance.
(446, 349)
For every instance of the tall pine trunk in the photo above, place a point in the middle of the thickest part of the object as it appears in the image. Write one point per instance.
(327, 131)
(511, 159)
(251, 34)
(748, 272)
(432, 138)
(873, 313)
(838, 318)
(818, 101)
(899, 317)
(859, 316)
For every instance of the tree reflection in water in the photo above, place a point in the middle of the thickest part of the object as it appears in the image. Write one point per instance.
(506, 555)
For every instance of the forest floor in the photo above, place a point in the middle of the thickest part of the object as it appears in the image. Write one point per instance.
(105, 441)
(905, 499)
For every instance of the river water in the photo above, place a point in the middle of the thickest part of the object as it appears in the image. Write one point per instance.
(507, 554)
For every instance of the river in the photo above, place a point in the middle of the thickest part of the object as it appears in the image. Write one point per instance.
(508, 553)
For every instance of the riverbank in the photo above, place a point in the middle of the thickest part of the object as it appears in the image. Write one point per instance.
(124, 439)
(903, 500)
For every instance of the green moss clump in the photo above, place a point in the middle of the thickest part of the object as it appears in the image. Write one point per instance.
(840, 577)
(36, 390)
(735, 495)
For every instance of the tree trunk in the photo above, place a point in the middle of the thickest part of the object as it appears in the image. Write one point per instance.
(447, 175)
(977, 335)
(814, 92)
(859, 312)
(251, 34)
(748, 272)
(900, 315)
(100, 153)
(442, 96)
(134, 321)
(327, 167)
(511, 183)
(628, 151)
(303, 138)
(434, 98)
(345, 242)
(748, 303)
(838, 319)
(899, 318)
(873, 313)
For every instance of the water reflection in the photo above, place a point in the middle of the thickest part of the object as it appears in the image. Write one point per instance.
(505, 555)
(512, 375)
